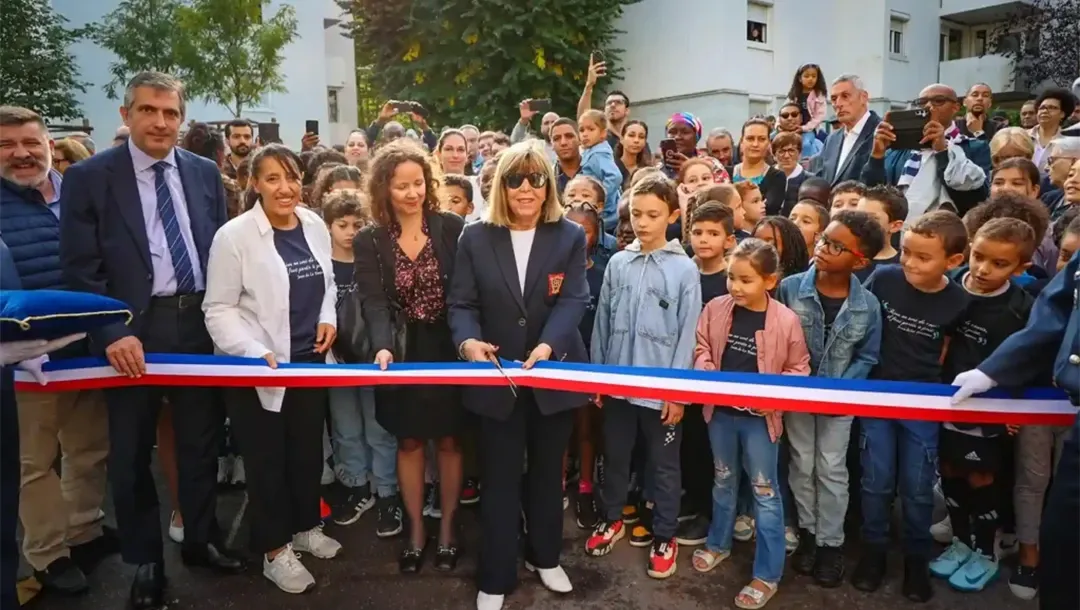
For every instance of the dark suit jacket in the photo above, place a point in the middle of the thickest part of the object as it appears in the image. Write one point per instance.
(855, 160)
(486, 303)
(774, 190)
(373, 244)
(104, 248)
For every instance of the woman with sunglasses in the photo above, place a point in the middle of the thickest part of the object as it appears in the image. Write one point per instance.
(519, 292)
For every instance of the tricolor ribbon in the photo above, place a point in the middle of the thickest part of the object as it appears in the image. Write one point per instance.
(864, 398)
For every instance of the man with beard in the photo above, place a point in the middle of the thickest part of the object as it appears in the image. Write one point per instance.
(240, 136)
(791, 122)
(977, 122)
(567, 146)
(61, 513)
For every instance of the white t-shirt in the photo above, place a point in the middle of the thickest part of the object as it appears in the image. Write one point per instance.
(479, 205)
(522, 241)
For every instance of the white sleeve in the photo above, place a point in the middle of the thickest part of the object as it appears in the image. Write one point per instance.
(221, 304)
(961, 173)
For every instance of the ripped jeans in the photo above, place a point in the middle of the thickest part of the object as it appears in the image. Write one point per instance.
(740, 443)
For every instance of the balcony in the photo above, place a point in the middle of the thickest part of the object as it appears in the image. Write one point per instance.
(994, 70)
(977, 12)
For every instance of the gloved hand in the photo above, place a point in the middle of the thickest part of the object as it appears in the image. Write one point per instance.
(970, 383)
(17, 351)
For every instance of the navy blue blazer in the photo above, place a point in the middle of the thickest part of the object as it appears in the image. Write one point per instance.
(104, 248)
(486, 303)
(855, 160)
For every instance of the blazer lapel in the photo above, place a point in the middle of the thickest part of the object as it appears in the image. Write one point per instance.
(504, 258)
(195, 201)
(126, 193)
(832, 155)
(866, 135)
(543, 244)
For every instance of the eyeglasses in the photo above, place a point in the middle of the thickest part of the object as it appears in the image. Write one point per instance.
(936, 100)
(790, 115)
(836, 248)
(1052, 159)
(536, 180)
(583, 206)
(787, 150)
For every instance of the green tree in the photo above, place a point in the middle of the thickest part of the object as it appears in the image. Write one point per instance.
(37, 70)
(143, 36)
(1042, 38)
(475, 60)
(232, 52)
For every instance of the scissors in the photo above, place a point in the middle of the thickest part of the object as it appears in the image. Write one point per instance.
(498, 365)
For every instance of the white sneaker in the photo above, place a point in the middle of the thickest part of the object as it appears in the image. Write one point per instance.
(222, 470)
(238, 475)
(555, 579)
(176, 532)
(791, 540)
(942, 531)
(486, 601)
(315, 542)
(287, 572)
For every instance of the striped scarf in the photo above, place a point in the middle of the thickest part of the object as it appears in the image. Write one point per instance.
(914, 162)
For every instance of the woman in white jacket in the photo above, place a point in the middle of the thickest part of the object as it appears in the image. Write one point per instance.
(270, 294)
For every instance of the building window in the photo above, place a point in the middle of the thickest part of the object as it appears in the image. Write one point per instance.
(955, 47)
(896, 37)
(980, 47)
(757, 23)
(759, 108)
(332, 104)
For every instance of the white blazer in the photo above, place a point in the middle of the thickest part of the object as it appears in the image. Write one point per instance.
(247, 290)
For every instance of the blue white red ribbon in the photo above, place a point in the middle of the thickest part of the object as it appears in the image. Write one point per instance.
(865, 398)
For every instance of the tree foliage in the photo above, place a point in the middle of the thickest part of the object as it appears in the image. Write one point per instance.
(474, 60)
(37, 69)
(143, 36)
(1042, 38)
(232, 51)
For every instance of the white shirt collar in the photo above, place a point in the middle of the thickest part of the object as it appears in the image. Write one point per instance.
(142, 161)
(796, 172)
(857, 129)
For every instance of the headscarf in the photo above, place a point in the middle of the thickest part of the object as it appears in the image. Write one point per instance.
(687, 119)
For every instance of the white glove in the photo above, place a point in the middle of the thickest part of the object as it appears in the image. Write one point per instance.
(970, 383)
(17, 351)
(33, 366)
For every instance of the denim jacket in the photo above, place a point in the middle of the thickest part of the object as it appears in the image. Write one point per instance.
(647, 311)
(855, 341)
(599, 162)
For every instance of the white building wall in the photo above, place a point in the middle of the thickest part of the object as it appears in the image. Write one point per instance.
(306, 68)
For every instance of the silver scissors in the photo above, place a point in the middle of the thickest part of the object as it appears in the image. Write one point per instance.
(498, 365)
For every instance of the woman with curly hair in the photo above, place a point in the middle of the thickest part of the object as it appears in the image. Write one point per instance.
(404, 263)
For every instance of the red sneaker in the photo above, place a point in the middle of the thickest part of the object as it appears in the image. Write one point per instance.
(470, 493)
(604, 537)
(662, 558)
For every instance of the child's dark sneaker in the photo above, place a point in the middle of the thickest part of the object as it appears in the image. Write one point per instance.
(662, 558)
(871, 569)
(354, 502)
(916, 586)
(694, 532)
(1024, 582)
(604, 537)
(641, 532)
(829, 566)
(805, 553)
(470, 493)
(585, 510)
(388, 511)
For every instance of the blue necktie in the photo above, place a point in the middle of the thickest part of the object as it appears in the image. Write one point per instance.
(181, 262)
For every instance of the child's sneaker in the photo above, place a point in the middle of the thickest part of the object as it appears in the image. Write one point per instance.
(353, 502)
(974, 575)
(238, 474)
(630, 514)
(641, 533)
(388, 523)
(433, 506)
(287, 572)
(791, 540)
(315, 542)
(744, 528)
(470, 493)
(942, 531)
(1024, 582)
(694, 532)
(662, 558)
(950, 561)
(604, 537)
(585, 510)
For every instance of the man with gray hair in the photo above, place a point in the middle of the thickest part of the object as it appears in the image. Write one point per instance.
(847, 149)
(137, 226)
(720, 145)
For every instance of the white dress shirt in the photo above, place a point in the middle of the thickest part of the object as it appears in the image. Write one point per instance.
(247, 290)
(522, 241)
(850, 137)
(164, 283)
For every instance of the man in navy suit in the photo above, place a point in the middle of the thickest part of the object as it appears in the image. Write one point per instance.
(137, 226)
(847, 149)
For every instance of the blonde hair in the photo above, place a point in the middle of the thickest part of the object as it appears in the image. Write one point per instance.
(1013, 137)
(73, 150)
(524, 157)
(595, 116)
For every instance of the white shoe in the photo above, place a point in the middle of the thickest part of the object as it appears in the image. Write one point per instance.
(176, 532)
(942, 531)
(791, 539)
(1006, 545)
(555, 579)
(315, 542)
(486, 601)
(238, 476)
(744, 528)
(222, 470)
(287, 572)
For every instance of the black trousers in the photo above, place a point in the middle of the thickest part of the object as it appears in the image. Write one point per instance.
(695, 457)
(504, 444)
(9, 490)
(282, 460)
(1059, 539)
(172, 325)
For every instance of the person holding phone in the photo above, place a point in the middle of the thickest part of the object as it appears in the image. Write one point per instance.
(528, 109)
(945, 171)
(416, 112)
(616, 105)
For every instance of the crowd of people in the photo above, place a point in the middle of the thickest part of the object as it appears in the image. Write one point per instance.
(805, 246)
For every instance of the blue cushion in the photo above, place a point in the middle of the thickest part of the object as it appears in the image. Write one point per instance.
(50, 314)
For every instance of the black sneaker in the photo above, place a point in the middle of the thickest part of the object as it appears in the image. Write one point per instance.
(388, 511)
(1024, 582)
(355, 501)
(63, 576)
(585, 509)
(693, 532)
(871, 570)
(805, 554)
(829, 566)
(687, 511)
(470, 492)
(917, 585)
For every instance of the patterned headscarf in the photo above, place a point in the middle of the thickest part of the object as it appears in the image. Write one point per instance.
(687, 119)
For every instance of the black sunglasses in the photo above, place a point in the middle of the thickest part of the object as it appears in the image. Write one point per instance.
(536, 180)
(790, 115)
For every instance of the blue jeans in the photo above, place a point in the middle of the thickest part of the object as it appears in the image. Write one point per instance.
(362, 448)
(741, 443)
(905, 450)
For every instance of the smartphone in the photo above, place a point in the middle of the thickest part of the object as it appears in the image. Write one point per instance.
(311, 126)
(667, 148)
(908, 126)
(597, 56)
(418, 108)
(270, 133)
(540, 105)
(405, 107)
